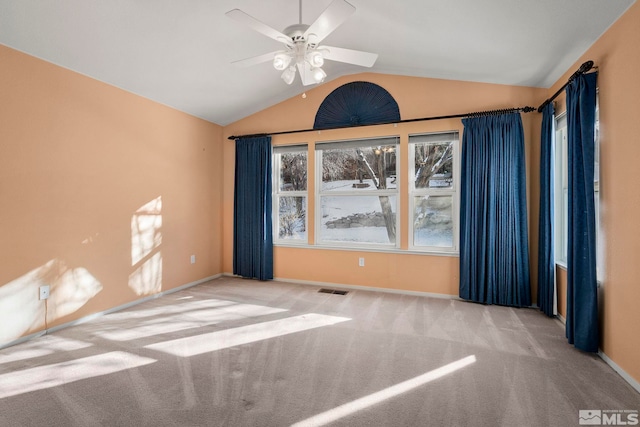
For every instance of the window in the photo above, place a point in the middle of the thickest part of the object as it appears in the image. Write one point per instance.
(561, 190)
(358, 186)
(433, 199)
(357, 193)
(290, 194)
(561, 205)
(596, 191)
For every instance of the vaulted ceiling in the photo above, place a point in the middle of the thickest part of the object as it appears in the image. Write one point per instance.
(180, 52)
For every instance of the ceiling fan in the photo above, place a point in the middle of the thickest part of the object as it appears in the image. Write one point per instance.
(302, 49)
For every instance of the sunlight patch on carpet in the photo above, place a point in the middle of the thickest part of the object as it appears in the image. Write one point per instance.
(163, 310)
(57, 374)
(184, 321)
(219, 340)
(382, 395)
(43, 346)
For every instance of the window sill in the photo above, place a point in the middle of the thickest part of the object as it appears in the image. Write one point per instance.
(563, 265)
(365, 249)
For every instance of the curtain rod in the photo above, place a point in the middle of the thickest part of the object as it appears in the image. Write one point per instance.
(583, 69)
(526, 109)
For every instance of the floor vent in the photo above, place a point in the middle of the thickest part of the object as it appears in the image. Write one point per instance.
(332, 291)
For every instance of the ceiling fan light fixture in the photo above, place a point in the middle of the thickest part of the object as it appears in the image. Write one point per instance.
(288, 75)
(316, 59)
(303, 52)
(281, 61)
(318, 74)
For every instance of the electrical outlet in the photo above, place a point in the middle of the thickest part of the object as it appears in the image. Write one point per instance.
(361, 262)
(44, 292)
(193, 259)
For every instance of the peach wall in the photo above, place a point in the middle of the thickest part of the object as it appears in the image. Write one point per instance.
(561, 290)
(88, 171)
(616, 55)
(416, 97)
(405, 272)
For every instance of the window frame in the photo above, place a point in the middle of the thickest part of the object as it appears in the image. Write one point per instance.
(277, 193)
(600, 256)
(561, 188)
(453, 191)
(320, 146)
(561, 191)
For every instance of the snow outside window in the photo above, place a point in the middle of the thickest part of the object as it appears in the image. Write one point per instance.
(357, 192)
(290, 194)
(433, 199)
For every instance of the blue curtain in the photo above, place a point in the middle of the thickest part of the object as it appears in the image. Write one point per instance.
(546, 256)
(252, 232)
(582, 302)
(494, 249)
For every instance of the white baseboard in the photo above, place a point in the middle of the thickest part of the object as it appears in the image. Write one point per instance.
(625, 376)
(24, 338)
(367, 288)
(628, 378)
(363, 288)
(102, 313)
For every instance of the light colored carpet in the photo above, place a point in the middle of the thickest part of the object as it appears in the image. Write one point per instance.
(234, 352)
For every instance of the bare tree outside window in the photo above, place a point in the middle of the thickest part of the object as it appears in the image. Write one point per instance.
(291, 193)
(354, 174)
(433, 189)
(432, 160)
(357, 192)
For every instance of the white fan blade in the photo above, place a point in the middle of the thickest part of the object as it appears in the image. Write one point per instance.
(248, 62)
(357, 57)
(305, 74)
(334, 15)
(260, 27)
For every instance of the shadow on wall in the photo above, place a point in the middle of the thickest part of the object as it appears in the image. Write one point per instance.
(71, 287)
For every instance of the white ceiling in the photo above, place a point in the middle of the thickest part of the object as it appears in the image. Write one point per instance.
(179, 52)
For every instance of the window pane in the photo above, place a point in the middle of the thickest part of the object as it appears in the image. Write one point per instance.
(359, 168)
(292, 213)
(561, 191)
(433, 165)
(364, 219)
(293, 171)
(433, 221)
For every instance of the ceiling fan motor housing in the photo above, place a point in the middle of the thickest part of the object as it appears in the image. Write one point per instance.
(296, 33)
